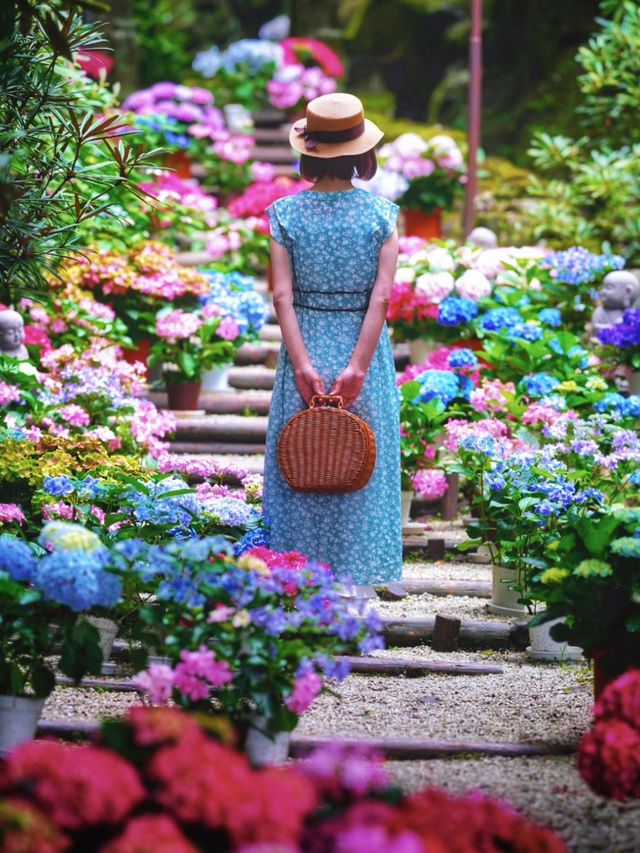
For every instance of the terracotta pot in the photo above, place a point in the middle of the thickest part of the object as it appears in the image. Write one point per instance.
(183, 396)
(417, 223)
(180, 162)
(140, 353)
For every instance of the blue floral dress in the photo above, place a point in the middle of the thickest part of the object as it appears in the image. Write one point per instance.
(333, 240)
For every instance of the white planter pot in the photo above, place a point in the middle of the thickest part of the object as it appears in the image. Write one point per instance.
(216, 379)
(419, 350)
(19, 717)
(504, 601)
(407, 498)
(264, 747)
(544, 647)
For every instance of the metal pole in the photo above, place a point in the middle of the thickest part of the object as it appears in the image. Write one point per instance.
(475, 106)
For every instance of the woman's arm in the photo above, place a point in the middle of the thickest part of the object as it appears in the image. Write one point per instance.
(349, 384)
(308, 379)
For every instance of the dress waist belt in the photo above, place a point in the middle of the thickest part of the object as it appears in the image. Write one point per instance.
(331, 300)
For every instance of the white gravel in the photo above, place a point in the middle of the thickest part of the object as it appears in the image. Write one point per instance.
(427, 606)
(447, 570)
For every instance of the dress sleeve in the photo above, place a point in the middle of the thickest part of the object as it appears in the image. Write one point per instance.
(277, 231)
(389, 216)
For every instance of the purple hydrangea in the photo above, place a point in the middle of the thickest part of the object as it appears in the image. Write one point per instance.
(625, 334)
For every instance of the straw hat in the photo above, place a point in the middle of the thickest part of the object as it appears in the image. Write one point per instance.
(334, 126)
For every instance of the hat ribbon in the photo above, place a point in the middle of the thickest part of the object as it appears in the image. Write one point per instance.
(313, 137)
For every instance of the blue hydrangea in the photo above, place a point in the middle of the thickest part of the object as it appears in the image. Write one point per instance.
(539, 384)
(497, 319)
(610, 402)
(554, 401)
(550, 317)
(438, 384)
(58, 486)
(231, 512)
(578, 265)
(253, 53)
(234, 294)
(455, 311)
(16, 558)
(634, 478)
(463, 358)
(524, 332)
(630, 406)
(78, 580)
(252, 539)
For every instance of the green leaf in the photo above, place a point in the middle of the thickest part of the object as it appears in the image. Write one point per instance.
(43, 680)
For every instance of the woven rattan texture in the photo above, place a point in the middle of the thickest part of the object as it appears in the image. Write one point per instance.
(327, 450)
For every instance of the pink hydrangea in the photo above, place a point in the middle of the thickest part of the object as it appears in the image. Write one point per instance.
(538, 413)
(177, 324)
(490, 395)
(60, 509)
(198, 672)
(474, 285)
(430, 483)
(457, 429)
(228, 329)
(74, 415)
(436, 286)
(305, 690)
(11, 512)
(157, 681)
(410, 245)
(107, 435)
(262, 172)
(9, 394)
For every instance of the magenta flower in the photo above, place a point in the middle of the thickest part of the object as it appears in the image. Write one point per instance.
(11, 512)
(430, 483)
(9, 394)
(74, 415)
(157, 681)
(177, 324)
(304, 692)
(198, 672)
(228, 329)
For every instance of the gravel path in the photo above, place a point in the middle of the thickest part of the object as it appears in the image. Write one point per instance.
(529, 702)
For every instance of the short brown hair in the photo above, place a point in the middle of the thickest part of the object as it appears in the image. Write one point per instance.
(363, 166)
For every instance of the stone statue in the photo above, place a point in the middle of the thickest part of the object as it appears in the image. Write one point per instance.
(619, 291)
(12, 335)
(483, 238)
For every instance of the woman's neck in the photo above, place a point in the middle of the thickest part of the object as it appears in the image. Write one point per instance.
(332, 185)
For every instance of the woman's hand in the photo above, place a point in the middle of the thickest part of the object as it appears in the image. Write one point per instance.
(349, 385)
(309, 382)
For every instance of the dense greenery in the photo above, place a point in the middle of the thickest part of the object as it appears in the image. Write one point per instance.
(59, 155)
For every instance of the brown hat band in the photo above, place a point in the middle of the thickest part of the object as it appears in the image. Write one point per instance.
(312, 138)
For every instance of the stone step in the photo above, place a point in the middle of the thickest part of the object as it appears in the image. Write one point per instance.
(234, 402)
(270, 134)
(252, 377)
(273, 154)
(222, 428)
(206, 448)
(285, 171)
(269, 116)
(257, 353)
(271, 332)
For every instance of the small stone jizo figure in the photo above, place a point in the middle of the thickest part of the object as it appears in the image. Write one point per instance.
(619, 291)
(12, 335)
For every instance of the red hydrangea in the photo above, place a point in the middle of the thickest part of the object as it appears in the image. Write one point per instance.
(621, 700)
(609, 759)
(157, 833)
(156, 726)
(297, 49)
(75, 786)
(24, 829)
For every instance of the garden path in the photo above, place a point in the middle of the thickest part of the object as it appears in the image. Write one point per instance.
(460, 720)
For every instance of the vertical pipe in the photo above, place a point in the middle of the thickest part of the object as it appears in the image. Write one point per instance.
(475, 106)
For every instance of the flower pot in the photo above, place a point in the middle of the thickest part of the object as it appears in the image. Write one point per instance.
(19, 717)
(263, 746)
(504, 601)
(180, 162)
(634, 382)
(216, 379)
(544, 647)
(417, 223)
(420, 350)
(183, 396)
(140, 353)
(107, 632)
(407, 498)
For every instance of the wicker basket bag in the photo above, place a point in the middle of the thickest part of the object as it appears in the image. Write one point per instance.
(326, 448)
